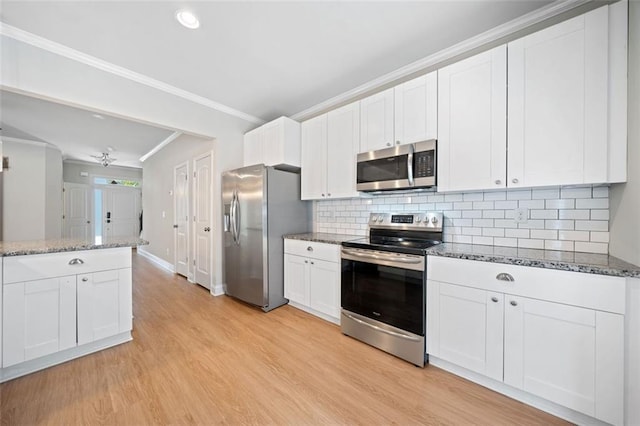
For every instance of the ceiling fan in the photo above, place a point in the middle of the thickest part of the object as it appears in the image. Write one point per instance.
(104, 159)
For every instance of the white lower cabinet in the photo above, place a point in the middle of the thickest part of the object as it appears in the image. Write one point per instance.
(312, 277)
(46, 308)
(569, 351)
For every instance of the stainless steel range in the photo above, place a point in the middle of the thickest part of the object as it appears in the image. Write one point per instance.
(384, 283)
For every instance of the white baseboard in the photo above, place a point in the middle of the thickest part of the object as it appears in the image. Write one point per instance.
(217, 290)
(158, 261)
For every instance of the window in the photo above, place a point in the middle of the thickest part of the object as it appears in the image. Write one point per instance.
(115, 181)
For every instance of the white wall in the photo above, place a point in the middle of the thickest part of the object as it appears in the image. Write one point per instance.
(625, 198)
(71, 172)
(158, 182)
(32, 191)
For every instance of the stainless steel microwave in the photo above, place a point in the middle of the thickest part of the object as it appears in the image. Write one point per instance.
(401, 167)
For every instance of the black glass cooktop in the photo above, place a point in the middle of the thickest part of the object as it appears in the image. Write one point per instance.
(399, 245)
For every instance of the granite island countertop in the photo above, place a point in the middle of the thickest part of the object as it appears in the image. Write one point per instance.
(600, 264)
(322, 237)
(21, 248)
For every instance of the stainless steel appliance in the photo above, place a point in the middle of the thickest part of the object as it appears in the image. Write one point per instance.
(384, 283)
(401, 167)
(260, 204)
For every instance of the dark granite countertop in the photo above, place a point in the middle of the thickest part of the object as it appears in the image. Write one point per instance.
(600, 264)
(321, 237)
(21, 248)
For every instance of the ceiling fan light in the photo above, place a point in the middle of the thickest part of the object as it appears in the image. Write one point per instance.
(187, 19)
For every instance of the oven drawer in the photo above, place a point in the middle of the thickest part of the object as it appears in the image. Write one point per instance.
(311, 249)
(598, 292)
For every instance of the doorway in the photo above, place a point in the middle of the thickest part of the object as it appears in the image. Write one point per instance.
(181, 215)
(202, 211)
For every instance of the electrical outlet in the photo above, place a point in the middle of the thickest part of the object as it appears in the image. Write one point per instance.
(521, 215)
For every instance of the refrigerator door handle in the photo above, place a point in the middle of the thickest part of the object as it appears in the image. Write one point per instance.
(232, 216)
(236, 219)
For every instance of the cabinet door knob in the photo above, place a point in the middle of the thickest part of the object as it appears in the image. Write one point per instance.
(397, 142)
(323, 195)
(76, 261)
(329, 194)
(494, 299)
(388, 143)
(85, 279)
(514, 303)
(498, 181)
(306, 261)
(514, 180)
(312, 263)
(309, 248)
(503, 276)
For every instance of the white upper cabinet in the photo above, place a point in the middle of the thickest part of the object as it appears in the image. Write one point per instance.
(274, 143)
(330, 145)
(343, 136)
(472, 120)
(416, 109)
(314, 158)
(558, 97)
(406, 113)
(376, 121)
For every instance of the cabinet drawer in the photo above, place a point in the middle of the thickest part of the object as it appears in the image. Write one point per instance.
(41, 266)
(598, 292)
(321, 251)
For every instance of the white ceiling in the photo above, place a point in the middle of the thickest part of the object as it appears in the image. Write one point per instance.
(263, 58)
(76, 132)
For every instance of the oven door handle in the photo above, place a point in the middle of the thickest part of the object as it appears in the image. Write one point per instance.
(411, 260)
(382, 330)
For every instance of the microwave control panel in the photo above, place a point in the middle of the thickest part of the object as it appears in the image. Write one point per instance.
(424, 162)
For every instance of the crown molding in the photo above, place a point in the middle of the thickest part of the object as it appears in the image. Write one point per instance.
(83, 58)
(432, 61)
(173, 136)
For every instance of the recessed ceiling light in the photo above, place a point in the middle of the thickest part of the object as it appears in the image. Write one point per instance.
(98, 116)
(187, 19)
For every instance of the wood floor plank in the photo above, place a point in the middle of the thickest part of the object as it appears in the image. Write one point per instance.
(198, 359)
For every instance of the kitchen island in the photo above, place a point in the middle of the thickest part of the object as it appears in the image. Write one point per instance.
(62, 299)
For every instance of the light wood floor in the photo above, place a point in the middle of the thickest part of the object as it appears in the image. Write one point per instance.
(198, 359)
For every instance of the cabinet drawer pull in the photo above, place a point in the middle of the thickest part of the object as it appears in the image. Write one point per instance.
(309, 248)
(494, 299)
(514, 303)
(85, 279)
(76, 261)
(503, 276)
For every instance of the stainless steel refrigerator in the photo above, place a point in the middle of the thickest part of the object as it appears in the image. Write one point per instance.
(260, 204)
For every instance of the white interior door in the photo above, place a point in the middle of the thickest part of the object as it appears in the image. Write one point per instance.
(121, 211)
(181, 215)
(77, 211)
(202, 220)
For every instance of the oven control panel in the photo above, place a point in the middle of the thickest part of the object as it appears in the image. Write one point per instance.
(421, 220)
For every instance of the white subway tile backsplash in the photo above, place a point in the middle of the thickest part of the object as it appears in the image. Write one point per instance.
(573, 219)
(559, 224)
(505, 242)
(543, 214)
(600, 192)
(516, 233)
(483, 205)
(495, 196)
(531, 204)
(473, 196)
(573, 235)
(493, 214)
(560, 204)
(592, 225)
(599, 214)
(524, 194)
(544, 194)
(527, 243)
(575, 192)
(592, 203)
(558, 245)
(574, 214)
(544, 234)
(592, 247)
(599, 237)
(506, 205)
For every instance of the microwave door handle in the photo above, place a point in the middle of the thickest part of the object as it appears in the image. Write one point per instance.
(410, 165)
